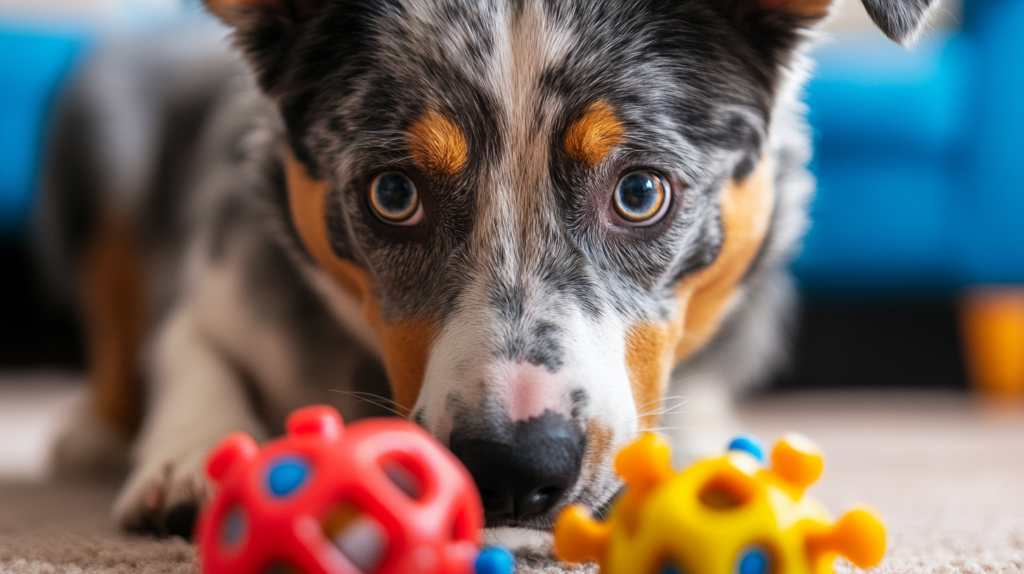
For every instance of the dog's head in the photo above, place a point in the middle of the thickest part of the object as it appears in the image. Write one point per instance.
(537, 206)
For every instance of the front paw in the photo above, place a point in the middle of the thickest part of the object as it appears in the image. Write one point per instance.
(163, 495)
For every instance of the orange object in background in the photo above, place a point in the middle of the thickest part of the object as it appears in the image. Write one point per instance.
(992, 321)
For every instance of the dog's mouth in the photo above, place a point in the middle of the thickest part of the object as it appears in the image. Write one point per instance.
(543, 522)
(597, 505)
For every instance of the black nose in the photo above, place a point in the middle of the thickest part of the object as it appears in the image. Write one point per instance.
(525, 474)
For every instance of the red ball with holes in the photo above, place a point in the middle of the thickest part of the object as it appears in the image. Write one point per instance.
(380, 496)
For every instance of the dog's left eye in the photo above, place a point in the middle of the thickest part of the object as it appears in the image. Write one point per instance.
(393, 197)
(641, 198)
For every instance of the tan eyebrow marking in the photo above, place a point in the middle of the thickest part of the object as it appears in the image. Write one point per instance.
(590, 138)
(437, 144)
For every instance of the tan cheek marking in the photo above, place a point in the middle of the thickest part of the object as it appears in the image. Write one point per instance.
(653, 348)
(406, 348)
(592, 137)
(437, 144)
(404, 344)
(648, 365)
(599, 448)
(702, 298)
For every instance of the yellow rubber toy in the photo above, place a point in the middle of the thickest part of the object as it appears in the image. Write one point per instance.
(726, 514)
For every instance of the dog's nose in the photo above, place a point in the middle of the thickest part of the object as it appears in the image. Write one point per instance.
(524, 476)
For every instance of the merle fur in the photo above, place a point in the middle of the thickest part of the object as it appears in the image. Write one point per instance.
(704, 89)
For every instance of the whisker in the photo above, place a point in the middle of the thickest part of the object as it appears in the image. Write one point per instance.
(663, 399)
(666, 410)
(687, 378)
(675, 405)
(371, 395)
(376, 400)
(661, 429)
(374, 396)
(383, 405)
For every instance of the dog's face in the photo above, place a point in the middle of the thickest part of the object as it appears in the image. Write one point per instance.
(539, 206)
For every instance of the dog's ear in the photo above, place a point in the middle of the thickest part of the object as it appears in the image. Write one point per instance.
(265, 30)
(900, 20)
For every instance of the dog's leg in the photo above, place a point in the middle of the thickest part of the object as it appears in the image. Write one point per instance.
(198, 396)
(98, 434)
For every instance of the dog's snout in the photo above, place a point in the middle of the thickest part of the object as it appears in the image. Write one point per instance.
(526, 476)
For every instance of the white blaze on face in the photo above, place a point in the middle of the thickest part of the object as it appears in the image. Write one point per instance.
(469, 367)
(465, 364)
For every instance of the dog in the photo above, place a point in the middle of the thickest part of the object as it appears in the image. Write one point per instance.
(523, 224)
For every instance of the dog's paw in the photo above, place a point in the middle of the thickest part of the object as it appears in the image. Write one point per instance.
(163, 495)
(88, 446)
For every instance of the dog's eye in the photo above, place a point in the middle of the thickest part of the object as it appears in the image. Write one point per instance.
(393, 198)
(640, 198)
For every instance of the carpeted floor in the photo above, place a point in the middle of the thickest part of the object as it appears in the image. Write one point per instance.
(947, 475)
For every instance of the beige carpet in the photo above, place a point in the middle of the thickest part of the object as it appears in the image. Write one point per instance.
(947, 475)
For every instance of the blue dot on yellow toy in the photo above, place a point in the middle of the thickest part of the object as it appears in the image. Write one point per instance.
(748, 444)
(753, 560)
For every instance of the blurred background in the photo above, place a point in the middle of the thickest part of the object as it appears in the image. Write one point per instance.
(911, 270)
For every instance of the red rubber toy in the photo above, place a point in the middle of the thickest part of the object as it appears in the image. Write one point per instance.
(380, 496)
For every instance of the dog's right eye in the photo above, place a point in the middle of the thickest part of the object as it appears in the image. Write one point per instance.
(394, 199)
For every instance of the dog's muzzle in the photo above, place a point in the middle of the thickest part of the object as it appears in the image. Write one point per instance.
(525, 474)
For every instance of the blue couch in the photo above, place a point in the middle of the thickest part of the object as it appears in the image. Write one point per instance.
(918, 157)
(33, 65)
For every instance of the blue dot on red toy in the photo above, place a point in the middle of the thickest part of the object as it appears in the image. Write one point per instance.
(233, 529)
(287, 475)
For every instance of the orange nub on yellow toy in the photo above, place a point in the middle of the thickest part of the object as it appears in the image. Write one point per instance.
(726, 514)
